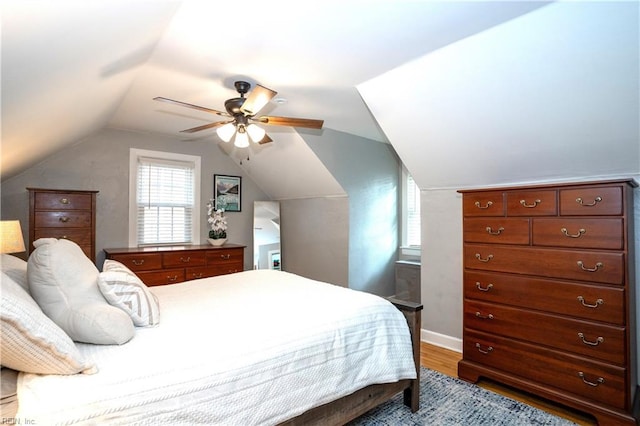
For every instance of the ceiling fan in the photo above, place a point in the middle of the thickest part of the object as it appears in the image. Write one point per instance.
(242, 113)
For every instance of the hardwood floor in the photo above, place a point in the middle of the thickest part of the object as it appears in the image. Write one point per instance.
(446, 361)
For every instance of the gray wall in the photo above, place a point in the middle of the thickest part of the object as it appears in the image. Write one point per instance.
(101, 162)
(314, 235)
(369, 173)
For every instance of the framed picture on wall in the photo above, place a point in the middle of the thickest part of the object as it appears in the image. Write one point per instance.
(227, 192)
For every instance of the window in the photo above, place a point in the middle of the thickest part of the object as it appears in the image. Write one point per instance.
(164, 193)
(410, 215)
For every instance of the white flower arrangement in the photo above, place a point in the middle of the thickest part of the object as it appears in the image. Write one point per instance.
(217, 222)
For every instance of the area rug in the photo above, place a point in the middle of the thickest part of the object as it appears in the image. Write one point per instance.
(448, 401)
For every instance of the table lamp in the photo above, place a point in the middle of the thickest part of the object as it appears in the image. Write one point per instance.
(11, 240)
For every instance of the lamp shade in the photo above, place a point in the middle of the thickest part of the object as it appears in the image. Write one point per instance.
(11, 240)
(256, 133)
(226, 132)
(242, 140)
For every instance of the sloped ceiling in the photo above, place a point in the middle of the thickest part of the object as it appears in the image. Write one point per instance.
(551, 95)
(70, 68)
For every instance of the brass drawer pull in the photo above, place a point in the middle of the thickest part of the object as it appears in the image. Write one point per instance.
(486, 206)
(530, 206)
(482, 350)
(197, 275)
(587, 305)
(187, 260)
(599, 340)
(488, 258)
(479, 315)
(172, 279)
(137, 262)
(487, 288)
(594, 269)
(63, 219)
(578, 235)
(600, 380)
(225, 256)
(64, 201)
(491, 232)
(595, 201)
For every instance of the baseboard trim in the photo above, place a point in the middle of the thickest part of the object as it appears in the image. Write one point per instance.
(441, 340)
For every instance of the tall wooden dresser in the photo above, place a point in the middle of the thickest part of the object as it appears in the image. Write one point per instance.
(175, 264)
(63, 213)
(549, 293)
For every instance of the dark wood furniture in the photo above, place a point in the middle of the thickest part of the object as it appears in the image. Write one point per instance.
(549, 294)
(345, 409)
(63, 213)
(173, 264)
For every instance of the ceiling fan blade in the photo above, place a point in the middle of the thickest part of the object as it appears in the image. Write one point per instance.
(184, 104)
(258, 98)
(266, 139)
(206, 126)
(293, 122)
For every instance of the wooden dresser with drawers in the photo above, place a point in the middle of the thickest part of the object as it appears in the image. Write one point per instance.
(549, 293)
(63, 213)
(173, 264)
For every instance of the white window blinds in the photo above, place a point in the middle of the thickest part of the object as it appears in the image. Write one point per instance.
(412, 212)
(165, 198)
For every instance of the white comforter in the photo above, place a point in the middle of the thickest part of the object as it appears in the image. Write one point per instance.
(252, 348)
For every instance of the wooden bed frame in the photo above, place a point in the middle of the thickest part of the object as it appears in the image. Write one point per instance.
(351, 406)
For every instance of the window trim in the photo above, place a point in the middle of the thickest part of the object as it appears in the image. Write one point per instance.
(405, 249)
(134, 155)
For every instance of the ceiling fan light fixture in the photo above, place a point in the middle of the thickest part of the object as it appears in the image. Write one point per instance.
(226, 132)
(242, 140)
(256, 133)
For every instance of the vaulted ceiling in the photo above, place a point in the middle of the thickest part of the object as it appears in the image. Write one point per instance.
(71, 68)
(468, 93)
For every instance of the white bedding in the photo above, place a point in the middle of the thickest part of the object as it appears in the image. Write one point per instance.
(252, 348)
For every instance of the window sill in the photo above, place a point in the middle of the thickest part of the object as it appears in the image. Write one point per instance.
(409, 253)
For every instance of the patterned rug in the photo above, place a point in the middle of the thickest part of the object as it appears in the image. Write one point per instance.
(448, 401)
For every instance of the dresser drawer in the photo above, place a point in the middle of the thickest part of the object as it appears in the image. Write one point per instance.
(531, 203)
(161, 277)
(599, 382)
(496, 230)
(230, 255)
(595, 266)
(183, 259)
(139, 261)
(63, 219)
(596, 340)
(595, 201)
(579, 233)
(198, 272)
(78, 236)
(590, 302)
(63, 201)
(483, 204)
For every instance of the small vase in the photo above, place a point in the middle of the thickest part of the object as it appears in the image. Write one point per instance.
(217, 241)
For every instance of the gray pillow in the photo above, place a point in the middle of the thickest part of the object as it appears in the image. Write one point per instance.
(31, 342)
(64, 282)
(16, 268)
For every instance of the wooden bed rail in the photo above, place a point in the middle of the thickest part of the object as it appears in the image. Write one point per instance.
(412, 312)
(347, 408)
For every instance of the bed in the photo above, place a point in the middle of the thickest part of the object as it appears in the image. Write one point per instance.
(257, 347)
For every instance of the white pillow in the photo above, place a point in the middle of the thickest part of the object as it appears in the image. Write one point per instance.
(64, 282)
(31, 342)
(123, 289)
(16, 268)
